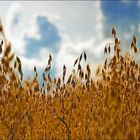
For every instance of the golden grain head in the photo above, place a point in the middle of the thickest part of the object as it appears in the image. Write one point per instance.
(75, 105)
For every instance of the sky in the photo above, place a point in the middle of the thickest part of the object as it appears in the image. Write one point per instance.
(66, 28)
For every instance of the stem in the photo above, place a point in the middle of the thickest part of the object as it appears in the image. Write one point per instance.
(67, 127)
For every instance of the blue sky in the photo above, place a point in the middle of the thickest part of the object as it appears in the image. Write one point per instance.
(124, 15)
(66, 28)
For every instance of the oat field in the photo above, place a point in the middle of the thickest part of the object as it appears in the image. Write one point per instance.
(77, 107)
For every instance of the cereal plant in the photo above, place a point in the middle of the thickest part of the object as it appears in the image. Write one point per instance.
(77, 107)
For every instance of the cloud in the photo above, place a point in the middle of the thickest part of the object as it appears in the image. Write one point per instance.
(32, 41)
(122, 14)
(93, 46)
(40, 61)
(70, 51)
(14, 28)
(48, 37)
(64, 36)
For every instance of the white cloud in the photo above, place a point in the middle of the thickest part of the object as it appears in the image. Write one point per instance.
(33, 31)
(80, 25)
(94, 46)
(16, 33)
(14, 28)
(40, 61)
(126, 1)
(70, 51)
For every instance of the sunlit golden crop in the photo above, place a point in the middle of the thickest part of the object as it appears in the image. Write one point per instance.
(77, 107)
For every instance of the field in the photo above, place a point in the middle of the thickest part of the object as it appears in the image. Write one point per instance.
(77, 107)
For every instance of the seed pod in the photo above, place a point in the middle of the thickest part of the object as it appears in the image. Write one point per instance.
(80, 58)
(109, 49)
(1, 43)
(49, 78)
(73, 83)
(43, 84)
(64, 70)
(79, 67)
(34, 68)
(7, 50)
(21, 76)
(18, 60)
(11, 57)
(48, 87)
(135, 49)
(59, 83)
(15, 64)
(44, 77)
(132, 45)
(98, 70)
(50, 57)
(88, 70)
(108, 78)
(82, 74)
(116, 41)
(47, 68)
(139, 78)
(136, 66)
(75, 62)
(114, 32)
(69, 79)
(134, 39)
(1, 28)
(105, 50)
(85, 56)
(63, 78)
(0, 49)
(105, 62)
(86, 76)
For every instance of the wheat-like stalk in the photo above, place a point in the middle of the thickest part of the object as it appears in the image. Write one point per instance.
(79, 107)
